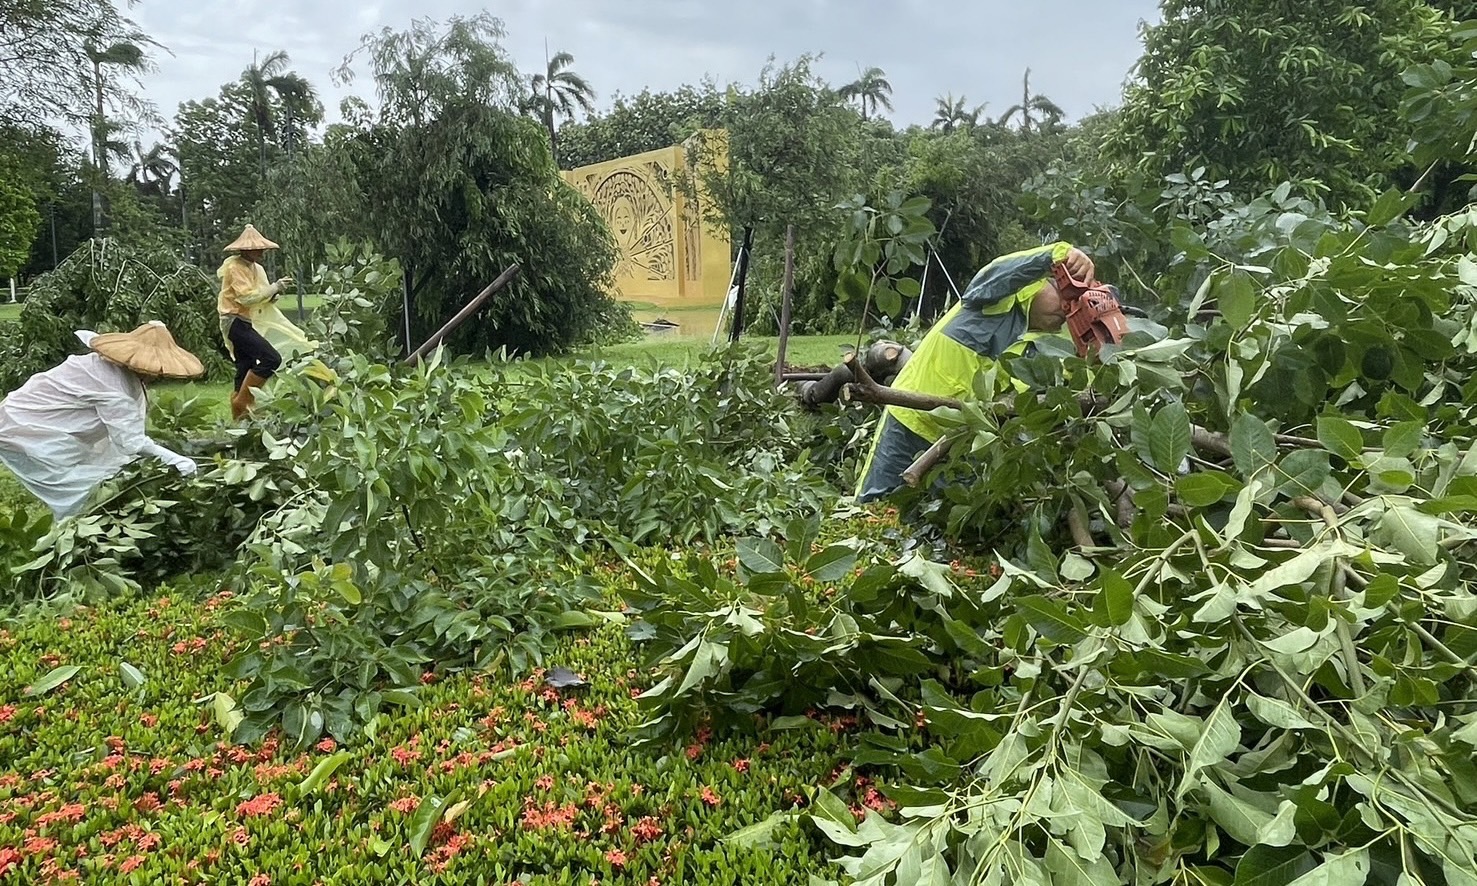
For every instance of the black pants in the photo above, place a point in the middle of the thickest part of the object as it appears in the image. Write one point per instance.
(253, 353)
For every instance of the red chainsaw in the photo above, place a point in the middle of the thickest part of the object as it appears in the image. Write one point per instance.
(1094, 315)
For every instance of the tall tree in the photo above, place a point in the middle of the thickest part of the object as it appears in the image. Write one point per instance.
(1261, 91)
(46, 68)
(793, 152)
(152, 170)
(454, 182)
(279, 94)
(125, 56)
(556, 93)
(1048, 112)
(640, 123)
(870, 91)
(220, 165)
(950, 114)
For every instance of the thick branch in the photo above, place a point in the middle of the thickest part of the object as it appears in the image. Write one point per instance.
(866, 390)
(926, 462)
(1077, 524)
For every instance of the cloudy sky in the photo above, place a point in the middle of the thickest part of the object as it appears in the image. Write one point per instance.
(1079, 51)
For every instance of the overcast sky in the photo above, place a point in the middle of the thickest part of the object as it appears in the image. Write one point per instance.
(1079, 51)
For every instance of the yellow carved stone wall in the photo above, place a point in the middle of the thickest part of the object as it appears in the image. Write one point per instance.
(667, 255)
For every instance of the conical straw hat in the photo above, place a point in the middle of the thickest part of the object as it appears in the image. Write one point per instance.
(250, 239)
(148, 350)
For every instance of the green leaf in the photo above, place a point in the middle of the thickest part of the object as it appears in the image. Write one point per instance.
(828, 806)
(1276, 712)
(1338, 870)
(423, 822)
(1390, 206)
(322, 772)
(832, 564)
(759, 835)
(1205, 488)
(1412, 533)
(1252, 444)
(1117, 594)
(707, 662)
(1404, 438)
(852, 286)
(1273, 866)
(1303, 472)
(54, 678)
(1169, 437)
(227, 713)
(800, 535)
(889, 300)
(1169, 665)
(1340, 437)
(250, 624)
(907, 287)
(1235, 295)
(133, 678)
(1240, 820)
(1218, 739)
(760, 556)
(1051, 619)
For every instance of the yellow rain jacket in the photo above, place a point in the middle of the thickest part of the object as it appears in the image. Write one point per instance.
(246, 293)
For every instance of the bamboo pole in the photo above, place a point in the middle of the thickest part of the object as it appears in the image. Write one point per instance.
(471, 308)
(785, 296)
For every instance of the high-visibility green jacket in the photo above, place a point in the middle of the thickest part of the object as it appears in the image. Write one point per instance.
(989, 320)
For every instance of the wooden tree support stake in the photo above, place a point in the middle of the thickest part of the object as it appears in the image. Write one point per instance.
(786, 296)
(461, 317)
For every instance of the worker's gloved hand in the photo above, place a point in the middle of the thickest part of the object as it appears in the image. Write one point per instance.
(1079, 265)
(185, 466)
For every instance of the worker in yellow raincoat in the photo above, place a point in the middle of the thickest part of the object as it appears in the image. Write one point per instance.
(257, 334)
(1009, 303)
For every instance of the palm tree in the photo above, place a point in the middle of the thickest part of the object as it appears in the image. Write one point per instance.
(950, 114)
(128, 55)
(871, 89)
(1050, 112)
(125, 54)
(274, 87)
(152, 170)
(558, 91)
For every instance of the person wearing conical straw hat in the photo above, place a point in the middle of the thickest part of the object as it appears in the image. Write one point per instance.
(256, 333)
(68, 429)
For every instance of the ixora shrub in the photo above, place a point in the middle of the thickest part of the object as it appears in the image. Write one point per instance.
(108, 287)
(1250, 659)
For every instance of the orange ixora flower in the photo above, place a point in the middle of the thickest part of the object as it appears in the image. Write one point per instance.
(261, 804)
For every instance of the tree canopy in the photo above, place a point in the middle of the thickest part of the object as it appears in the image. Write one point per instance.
(1259, 92)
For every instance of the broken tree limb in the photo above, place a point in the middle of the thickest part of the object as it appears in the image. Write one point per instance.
(925, 462)
(1077, 525)
(461, 316)
(866, 390)
(883, 359)
(1209, 441)
(1124, 509)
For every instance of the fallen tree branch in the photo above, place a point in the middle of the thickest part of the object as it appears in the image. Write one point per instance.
(1077, 525)
(926, 462)
(865, 389)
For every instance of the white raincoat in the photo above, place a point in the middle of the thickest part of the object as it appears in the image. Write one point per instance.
(70, 428)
